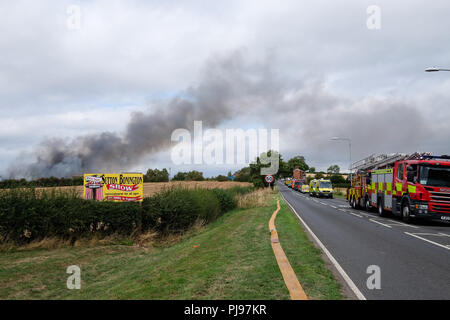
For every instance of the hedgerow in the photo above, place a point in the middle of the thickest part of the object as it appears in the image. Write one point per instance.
(27, 215)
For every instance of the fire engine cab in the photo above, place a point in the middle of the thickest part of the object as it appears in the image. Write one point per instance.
(410, 186)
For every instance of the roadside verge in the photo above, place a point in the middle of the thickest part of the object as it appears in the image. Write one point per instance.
(290, 279)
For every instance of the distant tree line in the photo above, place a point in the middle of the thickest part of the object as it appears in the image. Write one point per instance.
(156, 175)
(41, 182)
(189, 176)
(252, 174)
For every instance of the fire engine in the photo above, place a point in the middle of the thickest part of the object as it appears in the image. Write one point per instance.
(410, 186)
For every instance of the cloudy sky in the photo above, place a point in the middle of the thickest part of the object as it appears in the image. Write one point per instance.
(101, 85)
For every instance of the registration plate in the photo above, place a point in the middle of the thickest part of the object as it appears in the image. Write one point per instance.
(445, 218)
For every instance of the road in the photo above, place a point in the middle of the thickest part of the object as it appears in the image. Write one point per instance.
(414, 260)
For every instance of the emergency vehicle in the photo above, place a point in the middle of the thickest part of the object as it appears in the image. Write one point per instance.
(305, 188)
(288, 181)
(298, 185)
(312, 183)
(409, 186)
(323, 188)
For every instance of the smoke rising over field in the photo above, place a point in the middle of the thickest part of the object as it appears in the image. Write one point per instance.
(306, 112)
(310, 70)
(212, 101)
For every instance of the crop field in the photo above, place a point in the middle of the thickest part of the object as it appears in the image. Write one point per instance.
(150, 188)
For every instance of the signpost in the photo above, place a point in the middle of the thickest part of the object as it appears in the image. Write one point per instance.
(269, 179)
(120, 187)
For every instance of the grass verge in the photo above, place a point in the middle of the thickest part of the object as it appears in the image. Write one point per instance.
(231, 258)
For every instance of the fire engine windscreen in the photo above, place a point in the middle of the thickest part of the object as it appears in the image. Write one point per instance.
(434, 176)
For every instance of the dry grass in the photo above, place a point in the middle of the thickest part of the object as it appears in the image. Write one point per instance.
(257, 198)
(57, 242)
(150, 188)
(147, 240)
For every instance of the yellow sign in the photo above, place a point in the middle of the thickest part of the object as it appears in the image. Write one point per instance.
(114, 187)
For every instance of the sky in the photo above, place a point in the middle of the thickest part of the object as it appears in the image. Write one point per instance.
(102, 85)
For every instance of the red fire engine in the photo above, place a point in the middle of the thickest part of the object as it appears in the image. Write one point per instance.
(410, 186)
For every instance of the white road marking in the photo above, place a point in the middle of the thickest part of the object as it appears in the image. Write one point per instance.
(333, 206)
(355, 214)
(435, 243)
(387, 226)
(344, 275)
(404, 224)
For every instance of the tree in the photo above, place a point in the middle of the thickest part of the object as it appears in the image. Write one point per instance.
(284, 170)
(255, 168)
(334, 169)
(155, 175)
(180, 176)
(312, 170)
(221, 178)
(242, 175)
(194, 176)
(297, 161)
(337, 179)
(319, 175)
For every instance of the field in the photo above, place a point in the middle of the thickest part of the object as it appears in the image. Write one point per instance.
(231, 258)
(150, 188)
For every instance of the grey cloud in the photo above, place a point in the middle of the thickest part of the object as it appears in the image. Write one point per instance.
(326, 74)
(232, 87)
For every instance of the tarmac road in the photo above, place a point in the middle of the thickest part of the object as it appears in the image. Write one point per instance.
(414, 260)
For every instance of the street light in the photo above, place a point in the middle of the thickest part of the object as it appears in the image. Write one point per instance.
(434, 69)
(350, 149)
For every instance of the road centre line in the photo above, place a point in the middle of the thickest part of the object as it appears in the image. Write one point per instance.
(432, 242)
(403, 224)
(385, 225)
(352, 213)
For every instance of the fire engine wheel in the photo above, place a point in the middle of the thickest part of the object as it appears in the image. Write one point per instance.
(380, 208)
(367, 205)
(406, 213)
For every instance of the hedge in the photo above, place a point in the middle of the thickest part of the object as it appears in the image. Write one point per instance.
(26, 216)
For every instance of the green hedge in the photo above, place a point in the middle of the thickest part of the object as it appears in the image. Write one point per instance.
(25, 217)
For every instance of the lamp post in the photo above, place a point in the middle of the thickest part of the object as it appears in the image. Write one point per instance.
(434, 69)
(350, 150)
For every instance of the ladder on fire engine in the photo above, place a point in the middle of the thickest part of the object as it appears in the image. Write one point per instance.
(378, 161)
(385, 160)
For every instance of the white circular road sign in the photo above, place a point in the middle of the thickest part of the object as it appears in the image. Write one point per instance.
(268, 178)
